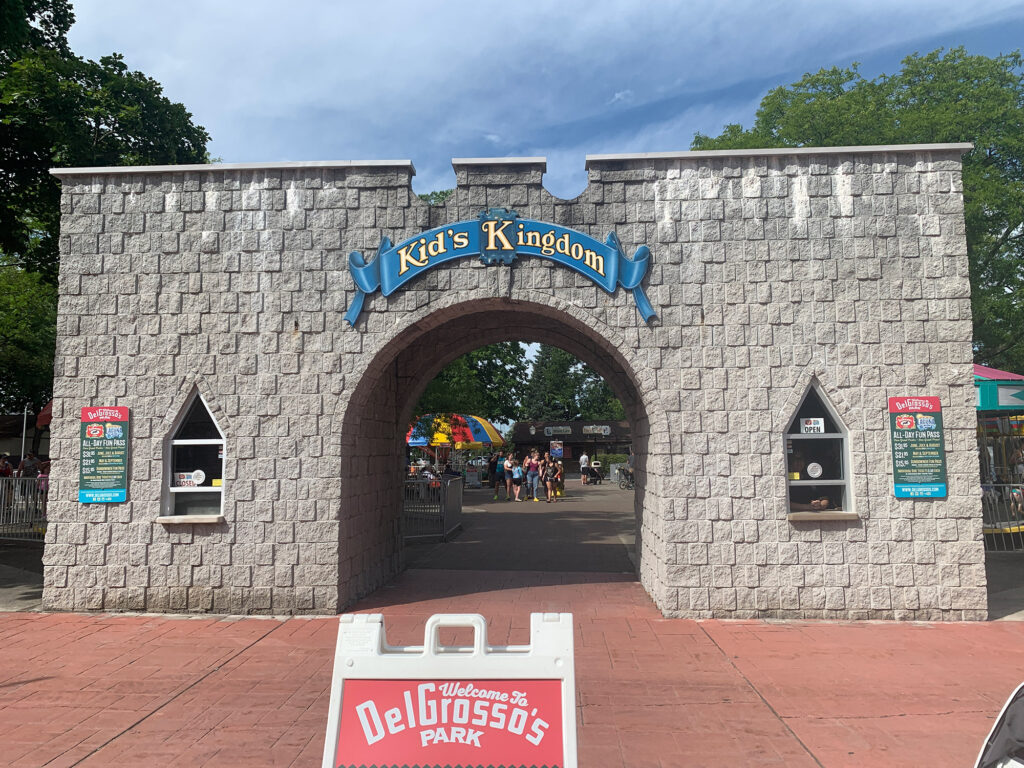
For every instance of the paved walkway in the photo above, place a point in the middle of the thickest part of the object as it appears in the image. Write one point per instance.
(100, 690)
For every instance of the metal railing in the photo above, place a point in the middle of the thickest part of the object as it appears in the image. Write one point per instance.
(23, 508)
(432, 509)
(1003, 517)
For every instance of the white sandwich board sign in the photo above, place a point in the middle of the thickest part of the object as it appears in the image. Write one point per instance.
(434, 705)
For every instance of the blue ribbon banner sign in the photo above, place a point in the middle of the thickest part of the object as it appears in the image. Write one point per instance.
(498, 236)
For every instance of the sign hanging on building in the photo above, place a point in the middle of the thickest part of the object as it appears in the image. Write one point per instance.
(103, 455)
(434, 706)
(918, 447)
(498, 236)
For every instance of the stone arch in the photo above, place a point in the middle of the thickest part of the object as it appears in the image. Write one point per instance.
(383, 394)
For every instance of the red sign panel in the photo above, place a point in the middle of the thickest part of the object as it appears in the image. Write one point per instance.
(916, 404)
(472, 724)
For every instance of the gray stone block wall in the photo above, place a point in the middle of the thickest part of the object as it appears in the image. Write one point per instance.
(769, 271)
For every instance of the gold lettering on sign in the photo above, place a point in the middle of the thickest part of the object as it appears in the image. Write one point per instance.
(562, 245)
(407, 259)
(495, 233)
(436, 246)
(594, 260)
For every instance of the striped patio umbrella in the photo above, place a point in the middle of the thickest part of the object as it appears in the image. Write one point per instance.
(461, 430)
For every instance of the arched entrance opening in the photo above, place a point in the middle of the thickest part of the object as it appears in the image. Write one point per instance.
(385, 392)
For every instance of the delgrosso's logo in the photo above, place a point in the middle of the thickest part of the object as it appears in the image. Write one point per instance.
(905, 421)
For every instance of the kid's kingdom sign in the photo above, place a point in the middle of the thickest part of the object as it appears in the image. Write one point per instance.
(103, 462)
(498, 236)
(918, 450)
(441, 707)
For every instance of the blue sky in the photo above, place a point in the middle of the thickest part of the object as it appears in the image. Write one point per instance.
(304, 80)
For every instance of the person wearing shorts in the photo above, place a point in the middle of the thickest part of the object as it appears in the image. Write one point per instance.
(499, 475)
(551, 478)
(517, 478)
(510, 463)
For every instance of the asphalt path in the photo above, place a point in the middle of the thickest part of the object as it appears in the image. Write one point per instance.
(589, 530)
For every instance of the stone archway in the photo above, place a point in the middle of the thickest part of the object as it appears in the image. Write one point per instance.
(382, 402)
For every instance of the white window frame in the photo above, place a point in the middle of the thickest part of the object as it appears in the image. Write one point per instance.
(845, 481)
(168, 502)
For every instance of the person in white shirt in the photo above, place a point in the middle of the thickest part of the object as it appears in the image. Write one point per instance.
(584, 466)
(509, 465)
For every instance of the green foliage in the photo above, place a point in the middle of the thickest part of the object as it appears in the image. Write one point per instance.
(554, 386)
(437, 197)
(607, 459)
(486, 382)
(597, 401)
(60, 110)
(28, 315)
(937, 97)
(561, 388)
(33, 24)
(57, 109)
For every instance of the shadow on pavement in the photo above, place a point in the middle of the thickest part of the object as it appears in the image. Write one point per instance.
(1005, 573)
(21, 576)
(589, 532)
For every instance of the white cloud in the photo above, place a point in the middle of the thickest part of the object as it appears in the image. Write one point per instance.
(322, 80)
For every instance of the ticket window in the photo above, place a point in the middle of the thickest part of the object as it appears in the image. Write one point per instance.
(196, 468)
(817, 471)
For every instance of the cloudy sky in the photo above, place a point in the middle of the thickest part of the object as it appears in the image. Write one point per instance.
(320, 80)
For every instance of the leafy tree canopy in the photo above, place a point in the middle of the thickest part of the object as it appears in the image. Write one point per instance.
(561, 388)
(57, 109)
(61, 110)
(437, 197)
(33, 24)
(937, 97)
(486, 382)
(28, 314)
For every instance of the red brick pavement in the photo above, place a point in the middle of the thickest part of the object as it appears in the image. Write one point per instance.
(101, 690)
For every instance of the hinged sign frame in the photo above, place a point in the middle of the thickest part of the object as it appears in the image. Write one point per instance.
(484, 676)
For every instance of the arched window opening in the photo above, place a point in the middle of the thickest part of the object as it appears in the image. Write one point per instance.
(817, 457)
(194, 476)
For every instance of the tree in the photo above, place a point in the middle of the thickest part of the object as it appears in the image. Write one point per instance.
(437, 197)
(28, 315)
(597, 401)
(57, 109)
(561, 388)
(485, 382)
(938, 97)
(60, 110)
(28, 24)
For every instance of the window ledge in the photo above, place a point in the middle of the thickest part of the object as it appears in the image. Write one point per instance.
(189, 519)
(800, 517)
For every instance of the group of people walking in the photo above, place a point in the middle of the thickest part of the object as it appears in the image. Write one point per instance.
(532, 472)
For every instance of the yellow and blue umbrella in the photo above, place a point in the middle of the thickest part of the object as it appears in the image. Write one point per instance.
(461, 430)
